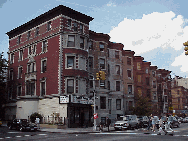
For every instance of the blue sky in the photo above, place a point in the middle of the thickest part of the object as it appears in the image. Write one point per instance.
(154, 29)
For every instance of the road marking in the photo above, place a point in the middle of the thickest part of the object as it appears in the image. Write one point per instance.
(27, 135)
(18, 136)
(42, 134)
(7, 137)
(1, 138)
(13, 132)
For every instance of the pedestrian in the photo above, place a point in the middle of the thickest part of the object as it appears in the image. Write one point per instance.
(149, 122)
(168, 126)
(161, 126)
(108, 123)
(37, 122)
(153, 123)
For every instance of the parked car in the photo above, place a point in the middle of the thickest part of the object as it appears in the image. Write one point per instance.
(22, 125)
(143, 121)
(128, 122)
(173, 121)
(185, 120)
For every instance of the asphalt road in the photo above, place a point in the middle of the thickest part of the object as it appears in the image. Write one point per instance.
(181, 134)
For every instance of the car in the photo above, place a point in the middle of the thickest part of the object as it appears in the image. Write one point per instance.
(127, 122)
(143, 121)
(22, 125)
(173, 121)
(185, 120)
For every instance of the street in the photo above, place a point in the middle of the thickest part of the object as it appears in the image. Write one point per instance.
(131, 135)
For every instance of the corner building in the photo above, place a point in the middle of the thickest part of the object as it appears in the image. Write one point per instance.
(49, 58)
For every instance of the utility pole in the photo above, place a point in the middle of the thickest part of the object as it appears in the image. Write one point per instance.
(94, 104)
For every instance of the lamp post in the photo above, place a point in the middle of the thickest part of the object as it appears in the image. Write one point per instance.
(94, 128)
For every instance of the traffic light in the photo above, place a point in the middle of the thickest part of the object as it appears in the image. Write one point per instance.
(97, 76)
(186, 47)
(102, 75)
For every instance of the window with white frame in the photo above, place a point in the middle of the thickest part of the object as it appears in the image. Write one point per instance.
(101, 47)
(43, 88)
(19, 90)
(129, 89)
(29, 50)
(118, 104)
(154, 96)
(12, 58)
(29, 34)
(102, 63)
(70, 86)
(82, 63)
(43, 65)
(90, 62)
(44, 46)
(69, 22)
(153, 73)
(91, 81)
(146, 70)
(30, 88)
(70, 62)
(33, 67)
(34, 48)
(129, 73)
(28, 68)
(90, 45)
(20, 72)
(117, 85)
(19, 38)
(118, 69)
(49, 26)
(82, 42)
(165, 98)
(20, 55)
(71, 41)
(37, 31)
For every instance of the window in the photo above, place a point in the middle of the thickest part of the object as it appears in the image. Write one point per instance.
(37, 31)
(19, 38)
(19, 72)
(33, 67)
(43, 89)
(44, 46)
(71, 41)
(69, 23)
(82, 63)
(129, 89)
(117, 85)
(75, 26)
(91, 45)
(153, 73)
(11, 74)
(146, 70)
(91, 81)
(138, 66)
(28, 68)
(90, 62)
(43, 66)
(118, 69)
(29, 32)
(109, 105)
(70, 86)
(82, 42)
(101, 47)
(117, 54)
(49, 26)
(82, 86)
(118, 104)
(34, 48)
(154, 84)
(147, 81)
(108, 85)
(102, 84)
(102, 102)
(139, 78)
(177, 92)
(165, 97)
(102, 63)
(70, 62)
(11, 58)
(128, 61)
(154, 96)
(81, 28)
(19, 90)
(130, 105)
(30, 88)
(21, 55)
(129, 73)
(29, 50)
(149, 93)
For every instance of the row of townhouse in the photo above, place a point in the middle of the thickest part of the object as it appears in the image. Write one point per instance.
(53, 61)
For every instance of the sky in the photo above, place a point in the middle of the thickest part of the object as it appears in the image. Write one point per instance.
(153, 29)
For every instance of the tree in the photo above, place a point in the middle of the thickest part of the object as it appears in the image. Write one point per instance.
(3, 76)
(142, 106)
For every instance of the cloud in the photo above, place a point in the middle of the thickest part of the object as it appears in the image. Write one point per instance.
(160, 31)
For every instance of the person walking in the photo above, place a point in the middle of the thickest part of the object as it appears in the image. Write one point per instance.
(37, 122)
(149, 122)
(168, 126)
(161, 126)
(153, 123)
